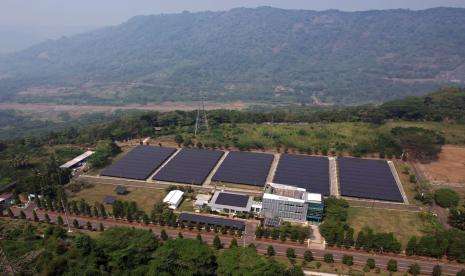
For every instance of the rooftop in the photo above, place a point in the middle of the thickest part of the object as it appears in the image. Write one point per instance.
(232, 199)
(77, 159)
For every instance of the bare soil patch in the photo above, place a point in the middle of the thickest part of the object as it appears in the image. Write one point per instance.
(450, 166)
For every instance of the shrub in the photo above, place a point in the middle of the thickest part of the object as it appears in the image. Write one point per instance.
(414, 269)
(371, 263)
(270, 251)
(290, 253)
(446, 198)
(217, 242)
(328, 258)
(308, 256)
(392, 265)
(348, 260)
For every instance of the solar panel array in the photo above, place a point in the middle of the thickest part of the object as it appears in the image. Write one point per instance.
(308, 172)
(139, 163)
(190, 166)
(244, 168)
(211, 220)
(231, 199)
(364, 178)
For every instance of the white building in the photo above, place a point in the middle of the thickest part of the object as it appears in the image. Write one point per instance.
(173, 199)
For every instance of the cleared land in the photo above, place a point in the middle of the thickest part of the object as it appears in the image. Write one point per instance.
(450, 166)
(145, 198)
(403, 224)
(409, 187)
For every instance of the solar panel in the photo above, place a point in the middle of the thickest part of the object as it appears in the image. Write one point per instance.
(308, 172)
(230, 199)
(244, 168)
(190, 166)
(212, 220)
(365, 178)
(139, 163)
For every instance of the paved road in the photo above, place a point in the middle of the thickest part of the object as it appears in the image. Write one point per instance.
(426, 264)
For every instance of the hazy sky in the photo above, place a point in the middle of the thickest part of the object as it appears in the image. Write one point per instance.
(25, 22)
(106, 12)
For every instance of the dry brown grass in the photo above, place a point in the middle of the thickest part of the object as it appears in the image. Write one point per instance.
(144, 197)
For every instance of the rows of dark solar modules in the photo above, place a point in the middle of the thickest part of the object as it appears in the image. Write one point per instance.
(366, 178)
(139, 163)
(186, 217)
(190, 166)
(231, 199)
(244, 168)
(308, 172)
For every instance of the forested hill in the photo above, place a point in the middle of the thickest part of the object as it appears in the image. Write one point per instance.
(256, 55)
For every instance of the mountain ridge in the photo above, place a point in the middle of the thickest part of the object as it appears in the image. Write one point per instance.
(257, 55)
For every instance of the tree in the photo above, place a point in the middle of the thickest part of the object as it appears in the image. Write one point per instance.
(34, 216)
(371, 263)
(392, 265)
(308, 256)
(217, 243)
(348, 260)
(328, 258)
(60, 220)
(47, 218)
(418, 143)
(145, 219)
(446, 198)
(101, 227)
(233, 243)
(437, 270)
(295, 270)
(178, 139)
(198, 237)
(183, 257)
(270, 251)
(75, 223)
(414, 269)
(89, 226)
(290, 254)
(246, 261)
(180, 236)
(127, 248)
(411, 246)
(163, 235)
(22, 215)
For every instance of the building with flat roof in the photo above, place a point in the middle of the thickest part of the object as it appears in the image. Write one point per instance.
(229, 202)
(291, 203)
(173, 199)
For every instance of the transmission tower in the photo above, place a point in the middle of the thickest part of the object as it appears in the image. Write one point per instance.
(201, 122)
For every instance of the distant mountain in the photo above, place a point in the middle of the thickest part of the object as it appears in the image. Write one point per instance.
(256, 55)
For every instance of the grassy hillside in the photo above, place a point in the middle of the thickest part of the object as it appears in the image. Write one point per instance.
(256, 55)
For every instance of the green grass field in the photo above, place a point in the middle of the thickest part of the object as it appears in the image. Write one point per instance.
(340, 137)
(403, 224)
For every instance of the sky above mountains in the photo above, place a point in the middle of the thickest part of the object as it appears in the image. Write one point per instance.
(25, 22)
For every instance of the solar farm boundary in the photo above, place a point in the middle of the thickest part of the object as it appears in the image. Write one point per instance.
(273, 167)
(163, 165)
(208, 180)
(398, 182)
(334, 189)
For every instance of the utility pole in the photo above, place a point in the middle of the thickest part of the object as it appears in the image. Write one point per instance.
(201, 121)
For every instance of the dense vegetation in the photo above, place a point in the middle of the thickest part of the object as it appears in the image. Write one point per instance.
(258, 55)
(125, 251)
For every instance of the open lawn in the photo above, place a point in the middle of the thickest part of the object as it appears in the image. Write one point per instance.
(340, 137)
(403, 224)
(144, 197)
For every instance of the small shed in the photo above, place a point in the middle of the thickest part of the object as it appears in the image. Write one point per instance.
(121, 190)
(173, 199)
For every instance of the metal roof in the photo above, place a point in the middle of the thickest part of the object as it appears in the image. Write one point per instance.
(77, 159)
(212, 220)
